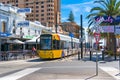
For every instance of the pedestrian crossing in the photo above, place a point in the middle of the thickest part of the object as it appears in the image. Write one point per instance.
(114, 72)
(19, 74)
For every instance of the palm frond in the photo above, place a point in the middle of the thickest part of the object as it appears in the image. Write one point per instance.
(90, 24)
(91, 15)
(102, 3)
(106, 8)
(117, 5)
(96, 9)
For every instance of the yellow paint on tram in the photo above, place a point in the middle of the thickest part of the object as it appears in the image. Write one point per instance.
(49, 54)
(117, 36)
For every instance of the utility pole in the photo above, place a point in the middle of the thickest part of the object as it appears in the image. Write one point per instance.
(56, 25)
(81, 25)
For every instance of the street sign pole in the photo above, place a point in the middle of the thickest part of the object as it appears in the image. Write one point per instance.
(0, 44)
(96, 61)
(97, 38)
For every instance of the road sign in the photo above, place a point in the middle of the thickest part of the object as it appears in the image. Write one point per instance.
(71, 34)
(96, 24)
(24, 10)
(97, 37)
(23, 24)
(2, 34)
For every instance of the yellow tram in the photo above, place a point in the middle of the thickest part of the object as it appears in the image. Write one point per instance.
(53, 46)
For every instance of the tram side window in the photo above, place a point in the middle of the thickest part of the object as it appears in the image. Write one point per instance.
(56, 44)
(73, 45)
(65, 45)
(62, 45)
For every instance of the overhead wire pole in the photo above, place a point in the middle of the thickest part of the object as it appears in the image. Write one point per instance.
(79, 45)
(56, 23)
(81, 25)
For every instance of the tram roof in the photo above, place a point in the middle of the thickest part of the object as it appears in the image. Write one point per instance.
(65, 37)
(68, 38)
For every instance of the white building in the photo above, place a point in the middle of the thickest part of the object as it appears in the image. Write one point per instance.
(14, 26)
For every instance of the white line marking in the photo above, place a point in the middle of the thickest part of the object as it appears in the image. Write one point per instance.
(66, 79)
(19, 74)
(111, 71)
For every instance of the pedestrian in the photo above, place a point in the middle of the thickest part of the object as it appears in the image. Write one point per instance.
(33, 51)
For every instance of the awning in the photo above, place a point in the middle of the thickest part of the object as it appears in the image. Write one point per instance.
(32, 41)
(16, 41)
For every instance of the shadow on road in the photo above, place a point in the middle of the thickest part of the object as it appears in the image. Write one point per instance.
(91, 77)
(40, 60)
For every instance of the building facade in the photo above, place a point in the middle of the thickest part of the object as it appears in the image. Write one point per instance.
(45, 11)
(14, 26)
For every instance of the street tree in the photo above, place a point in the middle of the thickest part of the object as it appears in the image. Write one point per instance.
(71, 17)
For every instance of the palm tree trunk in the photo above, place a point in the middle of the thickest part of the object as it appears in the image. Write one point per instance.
(111, 43)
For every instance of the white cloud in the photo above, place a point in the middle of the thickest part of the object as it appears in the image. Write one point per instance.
(78, 8)
(87, 9)
(64, 18)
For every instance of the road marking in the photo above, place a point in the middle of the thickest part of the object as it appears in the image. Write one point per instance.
(66, 79)
(19, 74)
(112, 71)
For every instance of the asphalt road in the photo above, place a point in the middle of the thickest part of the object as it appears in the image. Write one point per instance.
(61, 69)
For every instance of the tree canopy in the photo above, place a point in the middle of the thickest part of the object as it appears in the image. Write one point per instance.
(106, 8)
(71, 17)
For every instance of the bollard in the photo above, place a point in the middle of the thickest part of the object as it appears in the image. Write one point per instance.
(103, 55)
(78, 55)
(90, 55)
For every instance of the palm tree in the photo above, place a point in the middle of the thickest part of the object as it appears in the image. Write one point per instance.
(107, 8)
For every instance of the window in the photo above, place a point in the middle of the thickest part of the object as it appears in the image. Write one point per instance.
(37, 15)
(16, 1)
(29, 32)
(48, 18)
(48, 0)
(56, 44)
(35, 31)
(42, 6)
(37, 19)
(26, 3)
(42, 2)
(42, 14)
(37, 10)
(3, 2)
(7, 1)
(14, 30)
(45, 42)
(42, 10)
(37, 6)
(42, 18)
(3, 26)
(37, 2)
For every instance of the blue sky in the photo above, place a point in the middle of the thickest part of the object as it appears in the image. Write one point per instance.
(78, 7)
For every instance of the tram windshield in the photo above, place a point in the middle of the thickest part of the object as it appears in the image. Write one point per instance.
(45, 42)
